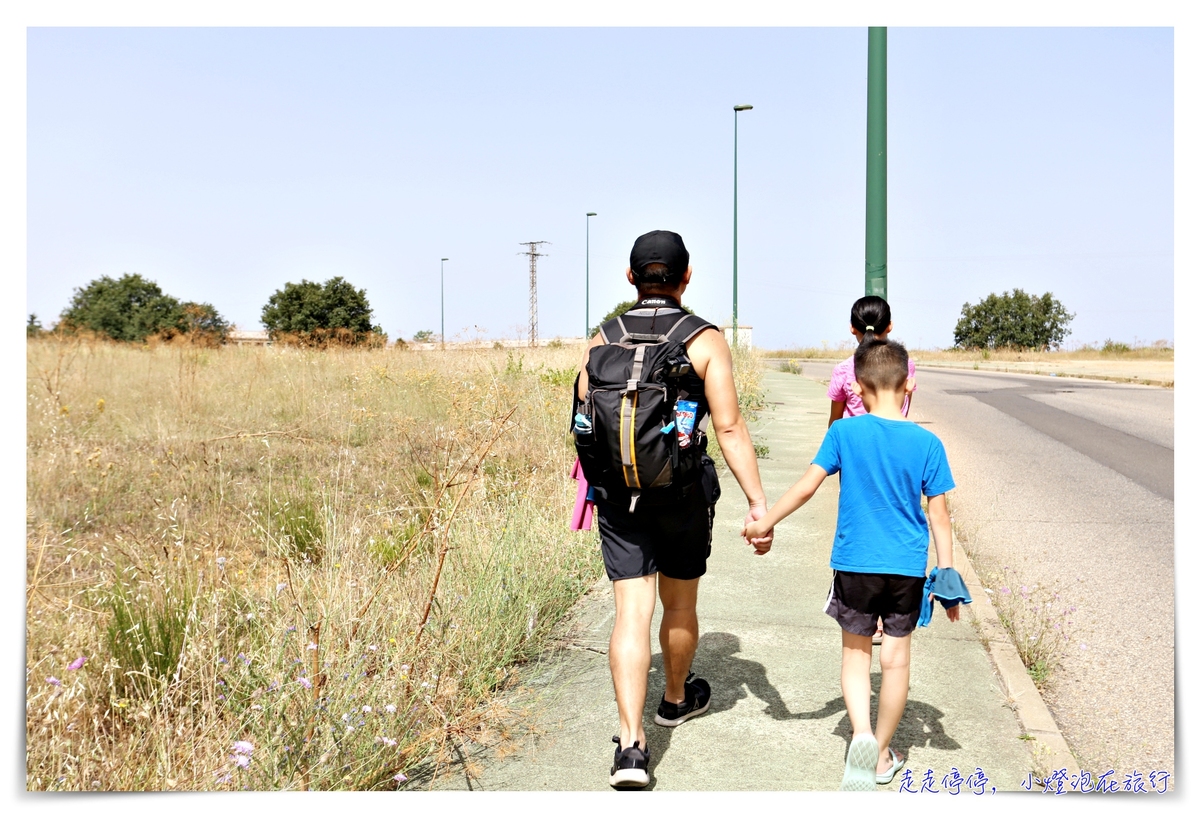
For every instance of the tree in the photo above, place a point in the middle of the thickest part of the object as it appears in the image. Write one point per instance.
(320, 313)
(33, 327)
(130, 308)
(203, 320)
(1017, 320)
(424, 336)
(621, 309)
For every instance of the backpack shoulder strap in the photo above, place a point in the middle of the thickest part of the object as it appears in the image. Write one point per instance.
(688, 327)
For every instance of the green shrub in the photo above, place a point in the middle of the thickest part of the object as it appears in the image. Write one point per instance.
(145, 636)
(299, 528)
(1015, 320)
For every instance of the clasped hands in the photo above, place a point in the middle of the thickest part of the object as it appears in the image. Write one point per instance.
(755, 533)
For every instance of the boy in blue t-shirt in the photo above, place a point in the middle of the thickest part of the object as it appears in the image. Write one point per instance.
(881, 546)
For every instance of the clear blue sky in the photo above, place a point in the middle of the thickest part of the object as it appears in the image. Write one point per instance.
(222, 163)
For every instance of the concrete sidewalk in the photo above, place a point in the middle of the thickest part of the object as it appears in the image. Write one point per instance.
(777, 720)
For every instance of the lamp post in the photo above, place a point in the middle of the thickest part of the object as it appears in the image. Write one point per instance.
(587, 263)
(443, 281)
(736, 110)
(876, 255)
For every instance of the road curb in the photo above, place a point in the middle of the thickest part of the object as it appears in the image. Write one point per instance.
(1048, 748)
(996, 369)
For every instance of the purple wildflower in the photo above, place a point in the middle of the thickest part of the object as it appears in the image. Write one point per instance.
(242, 760)
(304, 682)
(78, 662)
(244, 747)
(54, 682)
(400, 778)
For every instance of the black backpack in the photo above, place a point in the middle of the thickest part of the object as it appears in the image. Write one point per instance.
(626, 428)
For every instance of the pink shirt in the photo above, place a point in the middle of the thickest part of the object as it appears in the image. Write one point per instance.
(840, 391)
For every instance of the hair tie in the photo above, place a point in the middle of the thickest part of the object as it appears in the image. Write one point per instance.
(869, 329)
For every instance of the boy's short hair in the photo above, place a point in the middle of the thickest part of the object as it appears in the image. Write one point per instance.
(881, 365)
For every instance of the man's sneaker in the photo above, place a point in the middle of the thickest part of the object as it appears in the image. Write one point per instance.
(696, 697)
(631, 767)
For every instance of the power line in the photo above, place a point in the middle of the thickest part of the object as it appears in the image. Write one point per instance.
(534, 255)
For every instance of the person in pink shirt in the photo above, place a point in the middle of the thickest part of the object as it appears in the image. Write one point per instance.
(869, 317)
(870, 314)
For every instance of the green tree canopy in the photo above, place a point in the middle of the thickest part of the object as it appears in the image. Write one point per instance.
(1015, 319)
(320, 312)
(204, 319)
(131, 308)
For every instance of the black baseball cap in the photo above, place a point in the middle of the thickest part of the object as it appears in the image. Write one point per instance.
(659, 247)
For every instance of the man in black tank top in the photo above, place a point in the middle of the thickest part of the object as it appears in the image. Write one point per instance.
(664, 548)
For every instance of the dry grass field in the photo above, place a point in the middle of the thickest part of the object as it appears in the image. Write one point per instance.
(286, 569)
(275, 568)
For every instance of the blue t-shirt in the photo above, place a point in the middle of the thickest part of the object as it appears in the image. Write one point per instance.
(886, 466)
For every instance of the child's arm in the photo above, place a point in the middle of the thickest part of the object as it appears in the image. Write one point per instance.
(793, 499)
(837, 408)
(943, 542)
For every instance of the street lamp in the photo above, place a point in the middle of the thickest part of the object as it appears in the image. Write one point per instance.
(587, 291)
(736, 109)
(443, 279)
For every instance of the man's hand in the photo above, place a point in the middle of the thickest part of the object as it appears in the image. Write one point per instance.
(755, 533)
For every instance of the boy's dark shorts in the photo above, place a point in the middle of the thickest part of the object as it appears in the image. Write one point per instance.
(673, 538)
(856, 600)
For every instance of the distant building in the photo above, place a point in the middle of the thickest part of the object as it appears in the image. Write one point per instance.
(745, 335)
(245, 337)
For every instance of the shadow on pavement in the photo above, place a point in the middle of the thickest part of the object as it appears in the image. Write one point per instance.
(733, 678)
(920, 725)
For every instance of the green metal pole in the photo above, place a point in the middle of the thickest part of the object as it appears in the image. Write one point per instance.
(587, 272)
(735, 113)
(443, 280)
(736, 109)
(876, 256)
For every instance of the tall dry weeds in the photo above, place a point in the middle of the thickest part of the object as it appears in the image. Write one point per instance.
(286, 568)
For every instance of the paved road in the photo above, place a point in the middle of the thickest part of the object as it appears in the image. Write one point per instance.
(773, 657)
(1069, 484)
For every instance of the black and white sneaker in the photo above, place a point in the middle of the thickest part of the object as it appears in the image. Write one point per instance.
(631, 767)
(696, 697)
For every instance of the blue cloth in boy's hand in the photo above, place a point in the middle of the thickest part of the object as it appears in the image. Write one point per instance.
(948, 587)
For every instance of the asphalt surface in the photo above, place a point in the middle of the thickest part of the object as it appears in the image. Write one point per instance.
(777, 719)
(1069, 485)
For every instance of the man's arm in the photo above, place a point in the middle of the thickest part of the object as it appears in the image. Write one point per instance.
(789, 503)
(943, 542)
(713, 363)
(583, 379)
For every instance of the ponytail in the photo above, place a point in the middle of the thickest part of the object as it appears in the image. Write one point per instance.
(870, 315)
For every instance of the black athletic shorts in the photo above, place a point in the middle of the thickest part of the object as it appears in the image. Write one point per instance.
(673, 538)
(856, 600)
